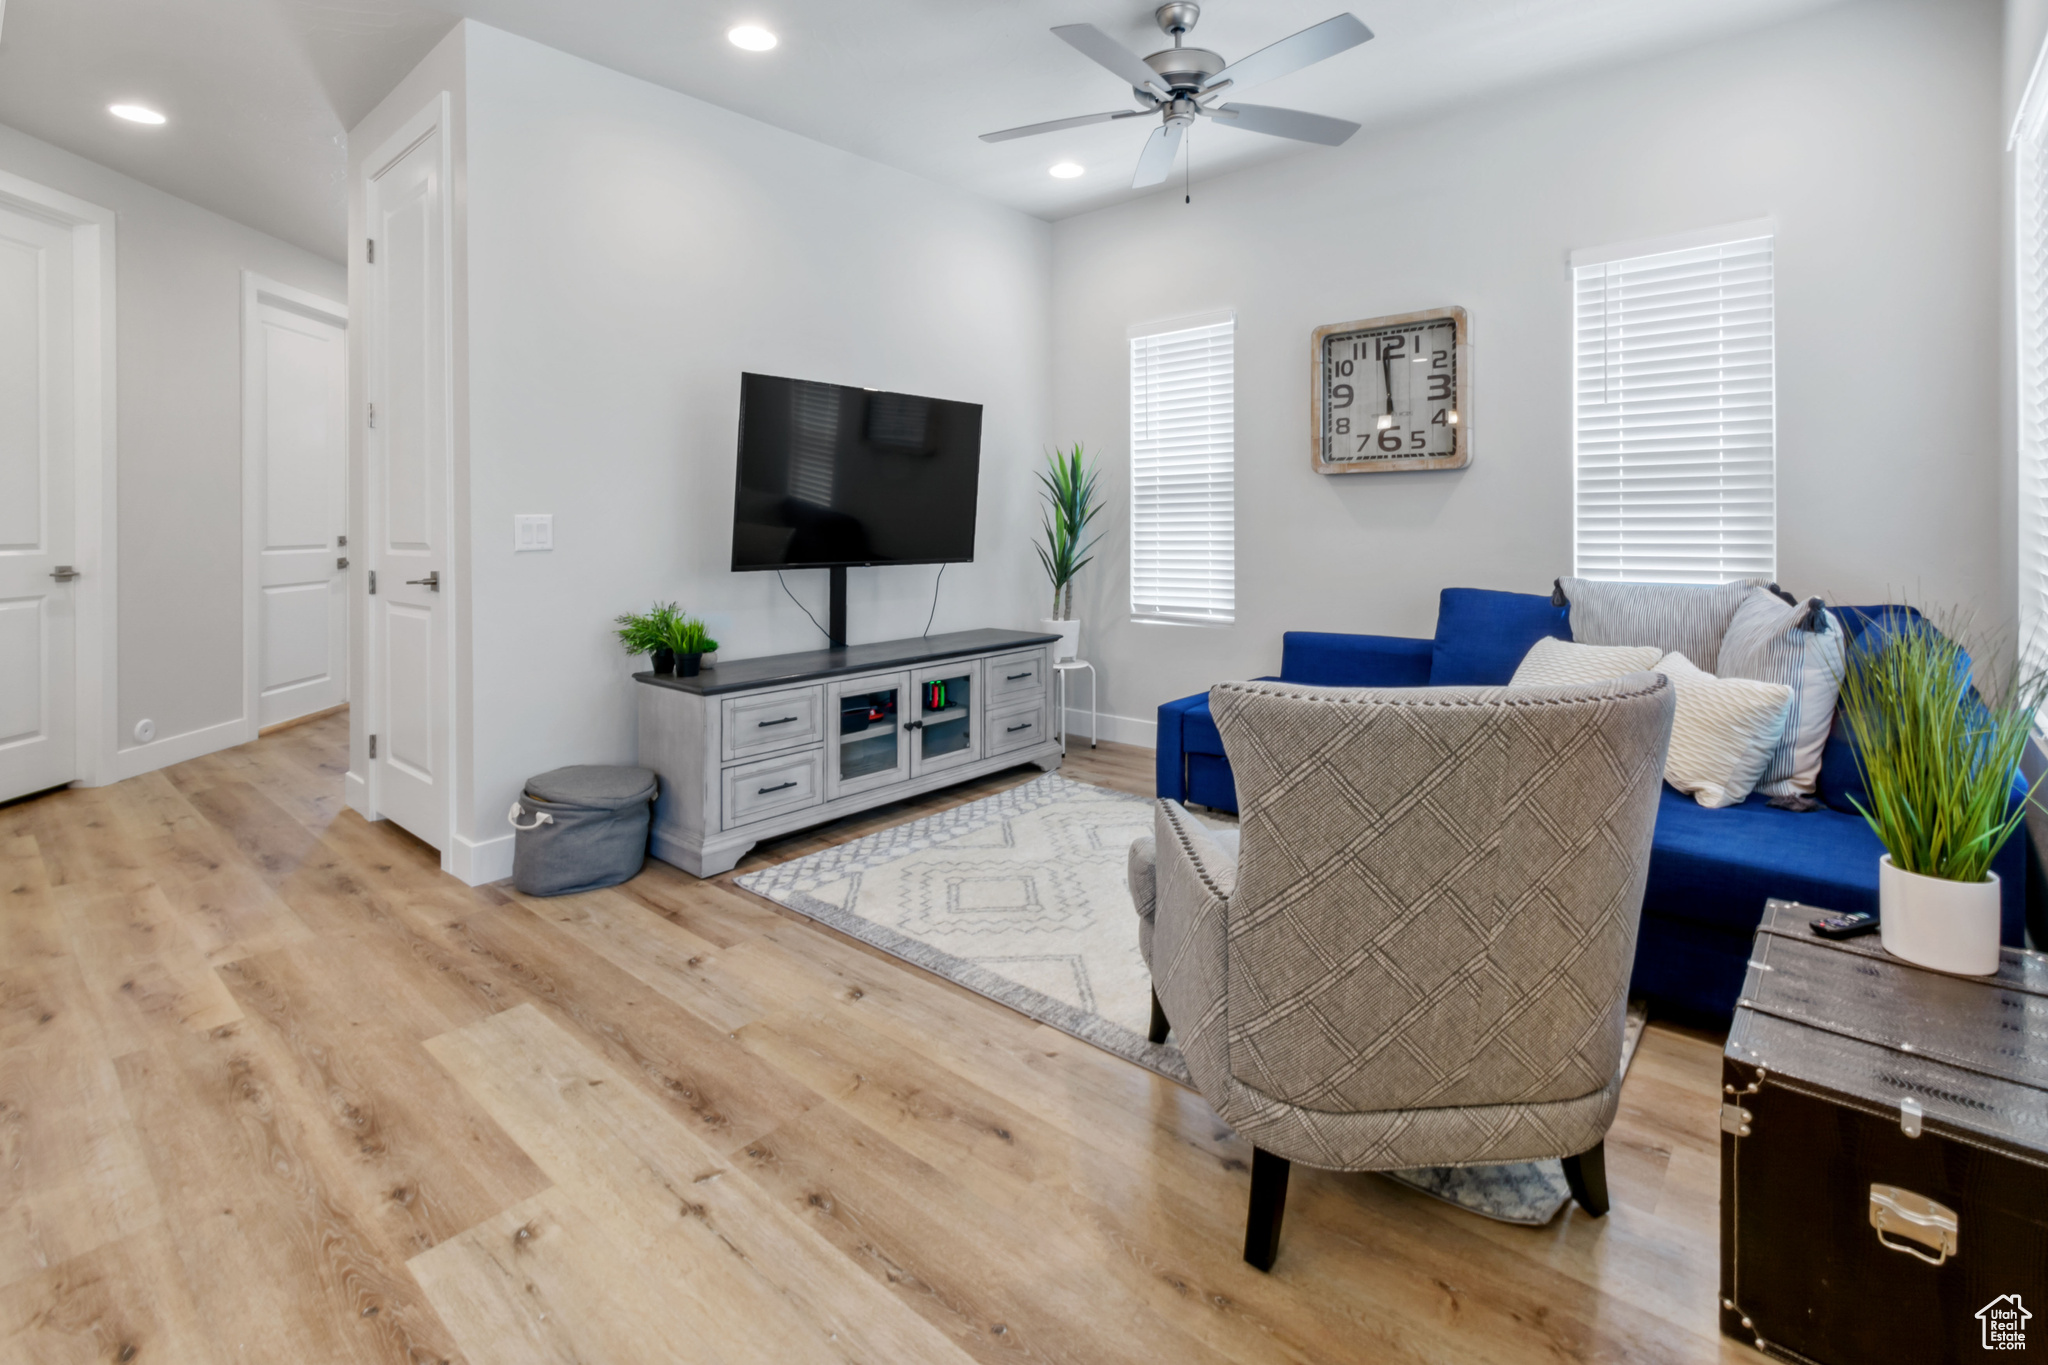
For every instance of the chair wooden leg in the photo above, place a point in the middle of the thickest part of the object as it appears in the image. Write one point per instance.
(1586, 1173)
(1269, 1201)
(1157, 1033)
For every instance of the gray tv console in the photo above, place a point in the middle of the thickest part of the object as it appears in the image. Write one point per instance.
(755, 748)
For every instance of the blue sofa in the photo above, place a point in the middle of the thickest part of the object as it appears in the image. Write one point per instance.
(1710, 870)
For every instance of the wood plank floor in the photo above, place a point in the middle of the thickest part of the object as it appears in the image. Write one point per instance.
(273, 1089)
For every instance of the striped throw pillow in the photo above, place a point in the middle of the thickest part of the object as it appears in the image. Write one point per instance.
(1723, 732)
(1678, 618)
(1560, 663)
(1798, 644)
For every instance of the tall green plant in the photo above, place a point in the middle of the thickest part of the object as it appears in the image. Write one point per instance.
(1937, 757)
(645, 632)
(1070, 496)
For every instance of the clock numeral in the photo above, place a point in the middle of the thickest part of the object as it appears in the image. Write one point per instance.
(1439, 359)
(1340, 395)
(1343, 426)
(1438, 420)
(1417, 440)
(1390, 439)
(1342, 367)
(1439, 388)
(1364, 442)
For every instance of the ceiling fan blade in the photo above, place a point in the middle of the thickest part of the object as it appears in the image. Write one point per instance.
(1305, 48)
(1034, 129)
(1155, 163)
(1098, 47)
(1261, 118)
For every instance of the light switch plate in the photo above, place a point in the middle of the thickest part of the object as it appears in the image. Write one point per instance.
(533, 532)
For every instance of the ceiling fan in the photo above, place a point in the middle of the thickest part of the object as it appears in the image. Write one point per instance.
(1175, 82)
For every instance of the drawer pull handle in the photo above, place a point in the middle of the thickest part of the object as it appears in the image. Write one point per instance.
(1902, 1217)
(764, 724)
(780, 786)
(1012, 677)
(1015, 728)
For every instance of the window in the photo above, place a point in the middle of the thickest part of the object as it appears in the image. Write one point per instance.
(1674, 410)
(1183, 512)
(2030, 145)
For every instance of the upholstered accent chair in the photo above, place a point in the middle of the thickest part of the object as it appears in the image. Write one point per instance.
(1417, 951)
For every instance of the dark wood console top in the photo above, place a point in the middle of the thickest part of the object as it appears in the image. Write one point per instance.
(746, 675)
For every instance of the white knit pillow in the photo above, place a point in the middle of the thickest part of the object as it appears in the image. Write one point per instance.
(1723, 731)
(1560, 663)
(1798, 644)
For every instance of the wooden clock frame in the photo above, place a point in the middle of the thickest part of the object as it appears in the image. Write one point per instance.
(1461, 396)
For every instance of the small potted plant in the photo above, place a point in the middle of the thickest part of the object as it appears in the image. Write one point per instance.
(1071, 503)
(648, 633)
(687, 637)
(1937, 761)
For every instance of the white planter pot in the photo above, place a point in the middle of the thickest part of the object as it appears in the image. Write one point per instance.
(1949, 926)
(1069, 632)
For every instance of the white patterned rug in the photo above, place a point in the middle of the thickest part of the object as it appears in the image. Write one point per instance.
(1021, 897)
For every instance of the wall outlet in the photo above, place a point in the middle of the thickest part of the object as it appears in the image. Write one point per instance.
(533, 532)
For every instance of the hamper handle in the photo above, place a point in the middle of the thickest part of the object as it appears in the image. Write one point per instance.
(539, 818)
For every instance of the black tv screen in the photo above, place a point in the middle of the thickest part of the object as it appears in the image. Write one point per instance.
(831, 475)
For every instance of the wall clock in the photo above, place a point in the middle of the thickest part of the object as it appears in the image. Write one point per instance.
(1392, 393)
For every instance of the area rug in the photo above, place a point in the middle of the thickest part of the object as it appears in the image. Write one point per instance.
(1021, 897)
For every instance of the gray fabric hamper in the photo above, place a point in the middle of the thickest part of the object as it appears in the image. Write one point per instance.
(581, 828)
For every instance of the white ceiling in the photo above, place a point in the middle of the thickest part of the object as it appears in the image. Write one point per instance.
(260, 92)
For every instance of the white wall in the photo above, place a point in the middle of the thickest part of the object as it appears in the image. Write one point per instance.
(1870, 132)
(630, 251)
(178, 329)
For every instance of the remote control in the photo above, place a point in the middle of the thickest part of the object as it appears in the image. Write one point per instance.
(1845, 926)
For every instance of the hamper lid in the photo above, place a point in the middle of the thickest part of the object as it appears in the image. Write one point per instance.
(592, 784)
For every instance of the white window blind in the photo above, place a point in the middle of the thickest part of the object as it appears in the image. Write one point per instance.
(2030, 144)
(1183, 495)
(1674, 414)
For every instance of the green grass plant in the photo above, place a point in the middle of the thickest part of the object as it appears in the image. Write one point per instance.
(1937, 757)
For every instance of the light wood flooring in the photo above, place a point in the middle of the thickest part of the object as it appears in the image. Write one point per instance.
(273, 1089)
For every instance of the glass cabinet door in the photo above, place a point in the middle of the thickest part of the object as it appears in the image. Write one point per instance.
(947, 700)
(867, 748)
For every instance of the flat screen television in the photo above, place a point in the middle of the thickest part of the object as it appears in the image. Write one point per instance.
(836, 477)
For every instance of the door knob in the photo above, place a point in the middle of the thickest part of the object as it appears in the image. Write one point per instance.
(432, 581)
(64, 573)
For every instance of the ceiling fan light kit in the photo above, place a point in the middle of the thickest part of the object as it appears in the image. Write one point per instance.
(1182, 83)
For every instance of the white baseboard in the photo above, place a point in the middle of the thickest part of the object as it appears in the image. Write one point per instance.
(476, 861)
(356, 792)
(162, 753)
(1115, 729)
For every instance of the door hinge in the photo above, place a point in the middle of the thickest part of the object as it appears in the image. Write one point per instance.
(373, 746)
(341, 562)
(341, 542)
(373, 582)
(370, 249)
(373, 414)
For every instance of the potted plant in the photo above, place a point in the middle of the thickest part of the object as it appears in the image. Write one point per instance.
(648, 633)
(1069, 492)
(690, 641)
(1938, 760)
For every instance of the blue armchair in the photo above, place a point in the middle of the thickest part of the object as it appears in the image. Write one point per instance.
(1710, 870)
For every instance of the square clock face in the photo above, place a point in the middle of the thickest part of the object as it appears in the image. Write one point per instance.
(1390, 394)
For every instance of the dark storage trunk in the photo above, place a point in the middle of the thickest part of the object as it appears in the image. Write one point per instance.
(1859, 1090)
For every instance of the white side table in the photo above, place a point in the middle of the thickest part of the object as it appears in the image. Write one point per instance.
(1062, 668)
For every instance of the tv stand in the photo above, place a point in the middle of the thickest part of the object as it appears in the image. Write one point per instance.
(756, 748)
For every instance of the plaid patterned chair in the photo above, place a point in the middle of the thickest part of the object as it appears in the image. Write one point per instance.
(1418, 952)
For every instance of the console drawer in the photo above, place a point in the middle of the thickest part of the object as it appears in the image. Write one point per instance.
(1018, 677)
(773, 786)
(1018, 727)
(770, 721)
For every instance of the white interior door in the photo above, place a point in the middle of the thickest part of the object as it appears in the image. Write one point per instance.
(38, 626)
(408, 440)
(296, 387)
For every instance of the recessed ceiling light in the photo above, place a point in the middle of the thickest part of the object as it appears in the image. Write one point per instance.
(752, 37)
(135, 113)
(1066, 170)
